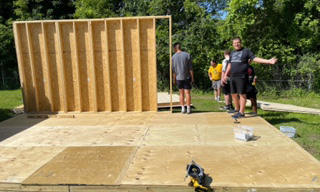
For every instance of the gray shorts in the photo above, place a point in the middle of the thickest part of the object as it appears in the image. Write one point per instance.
(216, 84)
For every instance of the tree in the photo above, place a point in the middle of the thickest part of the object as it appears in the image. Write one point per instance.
(44, 9)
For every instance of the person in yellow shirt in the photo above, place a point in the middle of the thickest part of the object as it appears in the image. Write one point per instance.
(214, 73)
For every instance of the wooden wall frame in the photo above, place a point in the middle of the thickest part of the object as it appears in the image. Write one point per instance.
(89, 65)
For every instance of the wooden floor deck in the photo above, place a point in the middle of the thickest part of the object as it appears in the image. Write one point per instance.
(149, 152)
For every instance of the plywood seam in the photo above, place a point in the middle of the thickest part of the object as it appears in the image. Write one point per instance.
(133, 157)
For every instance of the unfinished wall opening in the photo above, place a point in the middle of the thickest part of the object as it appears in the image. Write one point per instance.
(94, 65)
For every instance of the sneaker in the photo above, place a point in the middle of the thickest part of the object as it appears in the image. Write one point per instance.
(183, 111)
(226, 108)
(189, 112)
(231, 107)
(238, 116)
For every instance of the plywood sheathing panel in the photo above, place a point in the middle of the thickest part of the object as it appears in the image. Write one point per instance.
(22, 78)
(85, 165)
(116, 65)
(16, 164)
(148, 65)
(215, 135)
(245, 166)
(30, 90)
(69, 54)
(205, 119)
(47, 80)
(74, 65)
(130, 32)
(83, 43)
(271, 161)
(78, 136)
(55, 67)
(99, 50)
(164, 99)
(41, 75)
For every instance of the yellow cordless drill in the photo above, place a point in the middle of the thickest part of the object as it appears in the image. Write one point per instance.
(197, 177)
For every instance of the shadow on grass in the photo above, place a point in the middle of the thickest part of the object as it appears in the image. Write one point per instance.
(275, 121)
(5, 114)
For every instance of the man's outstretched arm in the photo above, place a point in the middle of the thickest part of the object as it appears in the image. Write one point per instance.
(265, 61)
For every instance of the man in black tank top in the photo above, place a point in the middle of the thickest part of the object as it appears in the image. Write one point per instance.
(238, 70)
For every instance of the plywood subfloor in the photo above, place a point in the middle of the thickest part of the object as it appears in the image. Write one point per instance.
(136, 150)
(164, 100)
(85, 165)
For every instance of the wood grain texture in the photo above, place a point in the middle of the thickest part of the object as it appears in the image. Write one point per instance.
(93, 65)
(99, 50)
(116, 65)
(85, 165)
(48, 84)
(98, 151)
(62, 70)
(147, 54)
(17, 41)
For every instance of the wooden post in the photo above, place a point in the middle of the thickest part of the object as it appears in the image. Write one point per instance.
(124, 68)
(21, 67)
(170, 49)
(95, 99)
(139, 63)
(33, 70)
(108, 66)
(155, 62)
(60, 52)
(77, 64)
(48, 66)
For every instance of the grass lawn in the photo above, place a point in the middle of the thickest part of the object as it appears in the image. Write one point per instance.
(9, 100)
(308, 126)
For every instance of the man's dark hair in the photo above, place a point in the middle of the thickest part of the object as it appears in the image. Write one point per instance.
(236, 38)
(227, 52)
(177, 45)
(213, 61)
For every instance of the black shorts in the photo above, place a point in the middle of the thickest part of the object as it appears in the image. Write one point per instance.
(184, 84)
(239, 84)
(252, 92)
(226, 88)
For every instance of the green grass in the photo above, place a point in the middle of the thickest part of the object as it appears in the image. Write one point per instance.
(311, 100)
(308, 126)
(9, 100)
